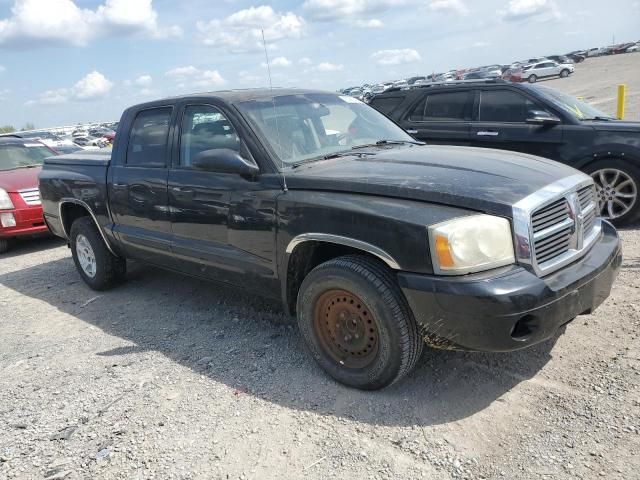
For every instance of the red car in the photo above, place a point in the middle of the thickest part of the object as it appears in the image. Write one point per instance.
(20, 209)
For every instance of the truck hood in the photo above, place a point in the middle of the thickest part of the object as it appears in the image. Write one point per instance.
(479, 179)
(19, 179)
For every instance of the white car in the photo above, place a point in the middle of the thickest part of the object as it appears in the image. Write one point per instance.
(531, 73)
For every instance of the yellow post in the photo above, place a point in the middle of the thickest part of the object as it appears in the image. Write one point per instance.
(620, 111)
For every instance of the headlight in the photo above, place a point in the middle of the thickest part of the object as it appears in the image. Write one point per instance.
(471, 244)
(5, 201)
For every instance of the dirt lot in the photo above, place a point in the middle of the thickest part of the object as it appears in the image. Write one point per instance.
(596, 81)
(168, 377)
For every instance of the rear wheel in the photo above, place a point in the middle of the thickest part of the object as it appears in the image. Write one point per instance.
(357, 324)
(532, 79)
(564, 73)
(4, 245)
(618, 186)
(98, 267)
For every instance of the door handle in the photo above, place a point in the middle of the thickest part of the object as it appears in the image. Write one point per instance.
(119, 186)
(181, 190)
(484, 133)
(412, 132)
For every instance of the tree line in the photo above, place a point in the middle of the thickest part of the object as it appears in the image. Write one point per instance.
(11, 128)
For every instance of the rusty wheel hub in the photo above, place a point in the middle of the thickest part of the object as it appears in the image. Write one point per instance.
(346, 328)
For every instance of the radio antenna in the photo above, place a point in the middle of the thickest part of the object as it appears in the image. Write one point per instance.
(275, 113)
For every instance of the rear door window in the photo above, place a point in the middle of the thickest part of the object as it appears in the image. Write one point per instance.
(447, 106)
(505, 106)
(386, 105)
(148, 138)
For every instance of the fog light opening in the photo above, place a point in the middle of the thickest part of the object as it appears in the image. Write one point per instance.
(524, 328)
(7, 220)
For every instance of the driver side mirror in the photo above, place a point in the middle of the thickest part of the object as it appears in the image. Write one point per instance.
(540, 117)
(224, 160)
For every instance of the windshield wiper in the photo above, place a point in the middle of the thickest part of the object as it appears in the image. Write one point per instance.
(329, 156)
(381, 143)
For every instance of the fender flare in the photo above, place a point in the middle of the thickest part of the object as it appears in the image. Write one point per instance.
(84, 205)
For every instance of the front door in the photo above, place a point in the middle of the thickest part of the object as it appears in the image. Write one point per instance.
(223, 224)
(502, 123)
(138, 188)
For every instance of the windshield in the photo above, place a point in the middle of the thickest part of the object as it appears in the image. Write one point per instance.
(571, 105)
(305, 127)
(22, 155)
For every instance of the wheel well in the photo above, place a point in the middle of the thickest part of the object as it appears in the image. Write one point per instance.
(308, 255)
(70, 212)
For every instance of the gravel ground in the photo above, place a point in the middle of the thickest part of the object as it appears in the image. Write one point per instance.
(169, 377)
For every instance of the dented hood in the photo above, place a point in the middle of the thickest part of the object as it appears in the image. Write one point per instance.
(479, 179)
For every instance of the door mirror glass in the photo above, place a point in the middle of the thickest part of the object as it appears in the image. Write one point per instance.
(540, 117)
(224, 160)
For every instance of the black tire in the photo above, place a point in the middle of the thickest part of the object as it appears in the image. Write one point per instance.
(398, 342)
(109, 269)
(532, 79)
(633, 173)
(4, 245)
(564, 73)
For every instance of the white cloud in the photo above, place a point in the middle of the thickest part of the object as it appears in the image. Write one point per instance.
(395, 57)
(526, 9)
(306, 61)
(449, 6)
(92, 86)
(330, 10)
(371, 23)
(192, 76)
(143, 81)
(328, 67)
(42, 22)
(242, 30)
(279, 62)
(246, 78)
(3, 68)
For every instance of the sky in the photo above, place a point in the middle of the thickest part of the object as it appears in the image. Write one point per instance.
(69, 61)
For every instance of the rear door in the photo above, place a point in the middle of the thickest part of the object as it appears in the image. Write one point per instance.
(500, 122)
(138, 187)
(441, 117)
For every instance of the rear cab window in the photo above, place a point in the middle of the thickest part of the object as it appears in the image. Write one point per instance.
(148, 138)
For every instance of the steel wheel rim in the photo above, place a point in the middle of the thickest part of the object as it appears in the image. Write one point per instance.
(617, 192)
(86, 256)
(346, 329)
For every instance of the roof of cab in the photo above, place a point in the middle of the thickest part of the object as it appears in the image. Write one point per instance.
(15, 140)
(235, 96)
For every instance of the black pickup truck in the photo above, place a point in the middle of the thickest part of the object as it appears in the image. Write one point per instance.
(377, 243)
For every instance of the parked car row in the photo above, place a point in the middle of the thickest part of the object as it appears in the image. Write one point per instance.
(527, 70)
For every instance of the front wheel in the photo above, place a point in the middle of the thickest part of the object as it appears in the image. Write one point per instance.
(98, 267)
(564, 73)
(532, 79)
(357, 324)
(617, 183)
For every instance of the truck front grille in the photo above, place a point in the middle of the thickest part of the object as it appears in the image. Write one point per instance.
(564, 228)
(30, 196)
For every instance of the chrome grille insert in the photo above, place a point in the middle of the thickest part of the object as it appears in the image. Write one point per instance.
(556, 225)
(30, 196)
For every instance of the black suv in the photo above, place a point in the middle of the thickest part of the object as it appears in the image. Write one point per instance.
(530, 119)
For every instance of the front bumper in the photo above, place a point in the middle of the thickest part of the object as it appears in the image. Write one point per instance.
(29, 221)
(512, 309)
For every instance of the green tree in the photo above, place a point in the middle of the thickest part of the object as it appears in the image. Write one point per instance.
(28, 126)
(7, 129)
